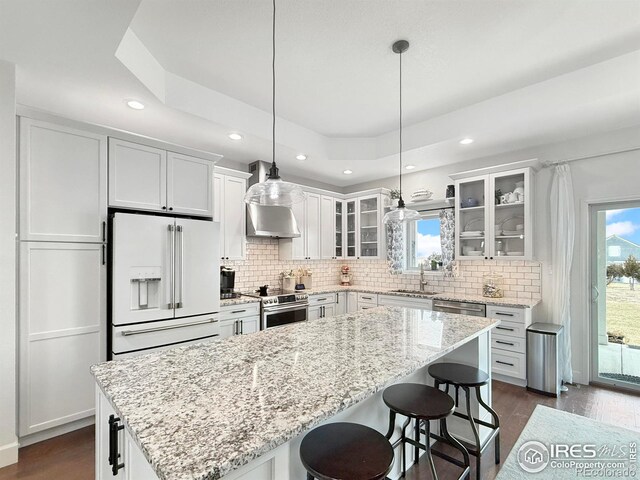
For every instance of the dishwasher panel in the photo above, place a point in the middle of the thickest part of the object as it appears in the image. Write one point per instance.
(461, 308)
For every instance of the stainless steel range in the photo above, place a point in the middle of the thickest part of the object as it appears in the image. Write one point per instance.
(279, 308)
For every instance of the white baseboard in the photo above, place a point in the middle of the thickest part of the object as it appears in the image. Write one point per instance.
(9, 453)
(512, 380)
(56, 431)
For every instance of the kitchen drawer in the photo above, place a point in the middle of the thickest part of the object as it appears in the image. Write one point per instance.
(239, 311)
(509, 314)
(512, 344)
(322, 299)
(511, 329)
(145, 335)
(368, 298)
(510, 364)
(366, 306)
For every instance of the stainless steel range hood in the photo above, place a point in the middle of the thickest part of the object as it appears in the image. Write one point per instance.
(268, 221)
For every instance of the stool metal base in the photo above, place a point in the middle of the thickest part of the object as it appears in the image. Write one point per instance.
(479, 447)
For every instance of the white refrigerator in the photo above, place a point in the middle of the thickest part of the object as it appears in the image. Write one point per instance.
(165, 283)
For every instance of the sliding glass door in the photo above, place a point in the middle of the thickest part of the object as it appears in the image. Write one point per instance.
(615, 282)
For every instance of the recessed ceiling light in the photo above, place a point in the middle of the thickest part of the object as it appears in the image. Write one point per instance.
(410, 167)
(348, 172)
(235, 136)
(301, 157)
(466, 141)
(135, 104)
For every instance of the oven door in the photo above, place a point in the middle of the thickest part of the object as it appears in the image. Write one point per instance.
(283, 315)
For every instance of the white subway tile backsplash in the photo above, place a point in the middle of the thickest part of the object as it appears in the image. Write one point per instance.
(262, 266)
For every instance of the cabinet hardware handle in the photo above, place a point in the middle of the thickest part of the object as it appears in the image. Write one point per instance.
(504, 343)
(337, 298)
(104, 254)
(164, 207)
(128, 333)
(505, 314)
(238, 311)
(104, 231)
(321, 299)
(171, 208)
(368, 298)
(505, 363)
(505, 328)
(114, 454)
(235, 327)
(241, 324)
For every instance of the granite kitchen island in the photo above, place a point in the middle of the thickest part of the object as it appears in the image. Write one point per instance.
(238, 408)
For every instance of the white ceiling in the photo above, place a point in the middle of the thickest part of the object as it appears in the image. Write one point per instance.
(511, 74)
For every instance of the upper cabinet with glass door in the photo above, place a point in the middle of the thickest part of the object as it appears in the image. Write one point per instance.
(493, 216)
(369, 216)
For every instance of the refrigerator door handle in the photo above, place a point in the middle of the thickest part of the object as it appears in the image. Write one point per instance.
(180, 267)
(172, 250)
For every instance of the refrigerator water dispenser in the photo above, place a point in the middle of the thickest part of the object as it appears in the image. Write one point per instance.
(145, 287)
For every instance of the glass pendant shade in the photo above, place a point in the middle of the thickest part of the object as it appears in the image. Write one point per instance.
(401, 214)
(274, 192)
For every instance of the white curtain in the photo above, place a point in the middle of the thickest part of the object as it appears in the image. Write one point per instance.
(447, 240)
(395, 248)
(563, 224)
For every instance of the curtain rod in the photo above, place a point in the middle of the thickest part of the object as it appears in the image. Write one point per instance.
(552, 163)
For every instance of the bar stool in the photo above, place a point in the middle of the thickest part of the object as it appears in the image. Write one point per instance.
(422, 403)
(346, 451)
(466, 377)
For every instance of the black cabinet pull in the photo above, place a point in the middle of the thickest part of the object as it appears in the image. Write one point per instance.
(164, 207)
(241, 322)
(104, 231)
(322, 299)
(505, 363)
(238, 311)
(505, 314)
(504, 343)
(114, 454)
(505, 328)
(104, 254)
(171, 208)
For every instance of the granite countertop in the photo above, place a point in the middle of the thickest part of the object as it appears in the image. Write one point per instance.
(238, 301)
(505, 302)
(201, 411)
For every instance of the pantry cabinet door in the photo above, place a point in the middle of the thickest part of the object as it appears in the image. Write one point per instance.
(137, 176)
(62, 324)
(189, 185)
(63, 183)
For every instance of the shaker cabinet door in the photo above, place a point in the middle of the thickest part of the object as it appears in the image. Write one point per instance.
(189, 185)
(137, 176)
(63, 183)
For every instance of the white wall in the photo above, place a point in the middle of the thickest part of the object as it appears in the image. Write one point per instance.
(602, 176)
(8, 439)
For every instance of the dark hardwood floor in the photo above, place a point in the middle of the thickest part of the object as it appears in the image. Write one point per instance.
(70, 456)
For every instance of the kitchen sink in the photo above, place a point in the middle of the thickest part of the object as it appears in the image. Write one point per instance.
(426, 293)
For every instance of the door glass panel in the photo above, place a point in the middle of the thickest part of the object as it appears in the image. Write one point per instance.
(339, 223)
(369, 227)
(472, 219)
(509, 214)
(616, 294)
(351, 228)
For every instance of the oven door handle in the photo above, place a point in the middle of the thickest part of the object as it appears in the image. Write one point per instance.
(294, 306)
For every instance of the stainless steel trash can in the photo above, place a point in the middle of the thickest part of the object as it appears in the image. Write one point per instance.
(543, 358)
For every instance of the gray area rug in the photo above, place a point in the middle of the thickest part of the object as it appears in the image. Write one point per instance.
(560, 445)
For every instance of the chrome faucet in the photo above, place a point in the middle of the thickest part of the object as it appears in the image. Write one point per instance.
(423, 282)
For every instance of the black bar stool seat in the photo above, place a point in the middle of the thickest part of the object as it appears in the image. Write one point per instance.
(422, 403)
(458, 374)
(338, 451)
(466, 377)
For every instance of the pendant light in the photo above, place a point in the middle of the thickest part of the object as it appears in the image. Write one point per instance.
(401, 213)
(274, 191)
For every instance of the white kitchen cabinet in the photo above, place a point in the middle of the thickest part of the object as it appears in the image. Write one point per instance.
(329, 310)
(488, 228)
(63, 183)
(239, 319)
(341, 303)
(230, 210)
(352, 302)
(189, 185)
(308, 245)
(62, 331)
(322, 305)
(362, 223)
(315, 312)
(149, 178)
(328, 227)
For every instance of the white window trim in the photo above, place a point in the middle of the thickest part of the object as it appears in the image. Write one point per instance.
(410, 239)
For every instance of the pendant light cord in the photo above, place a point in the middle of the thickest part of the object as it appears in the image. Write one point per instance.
(273, 85)
(400, 200)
